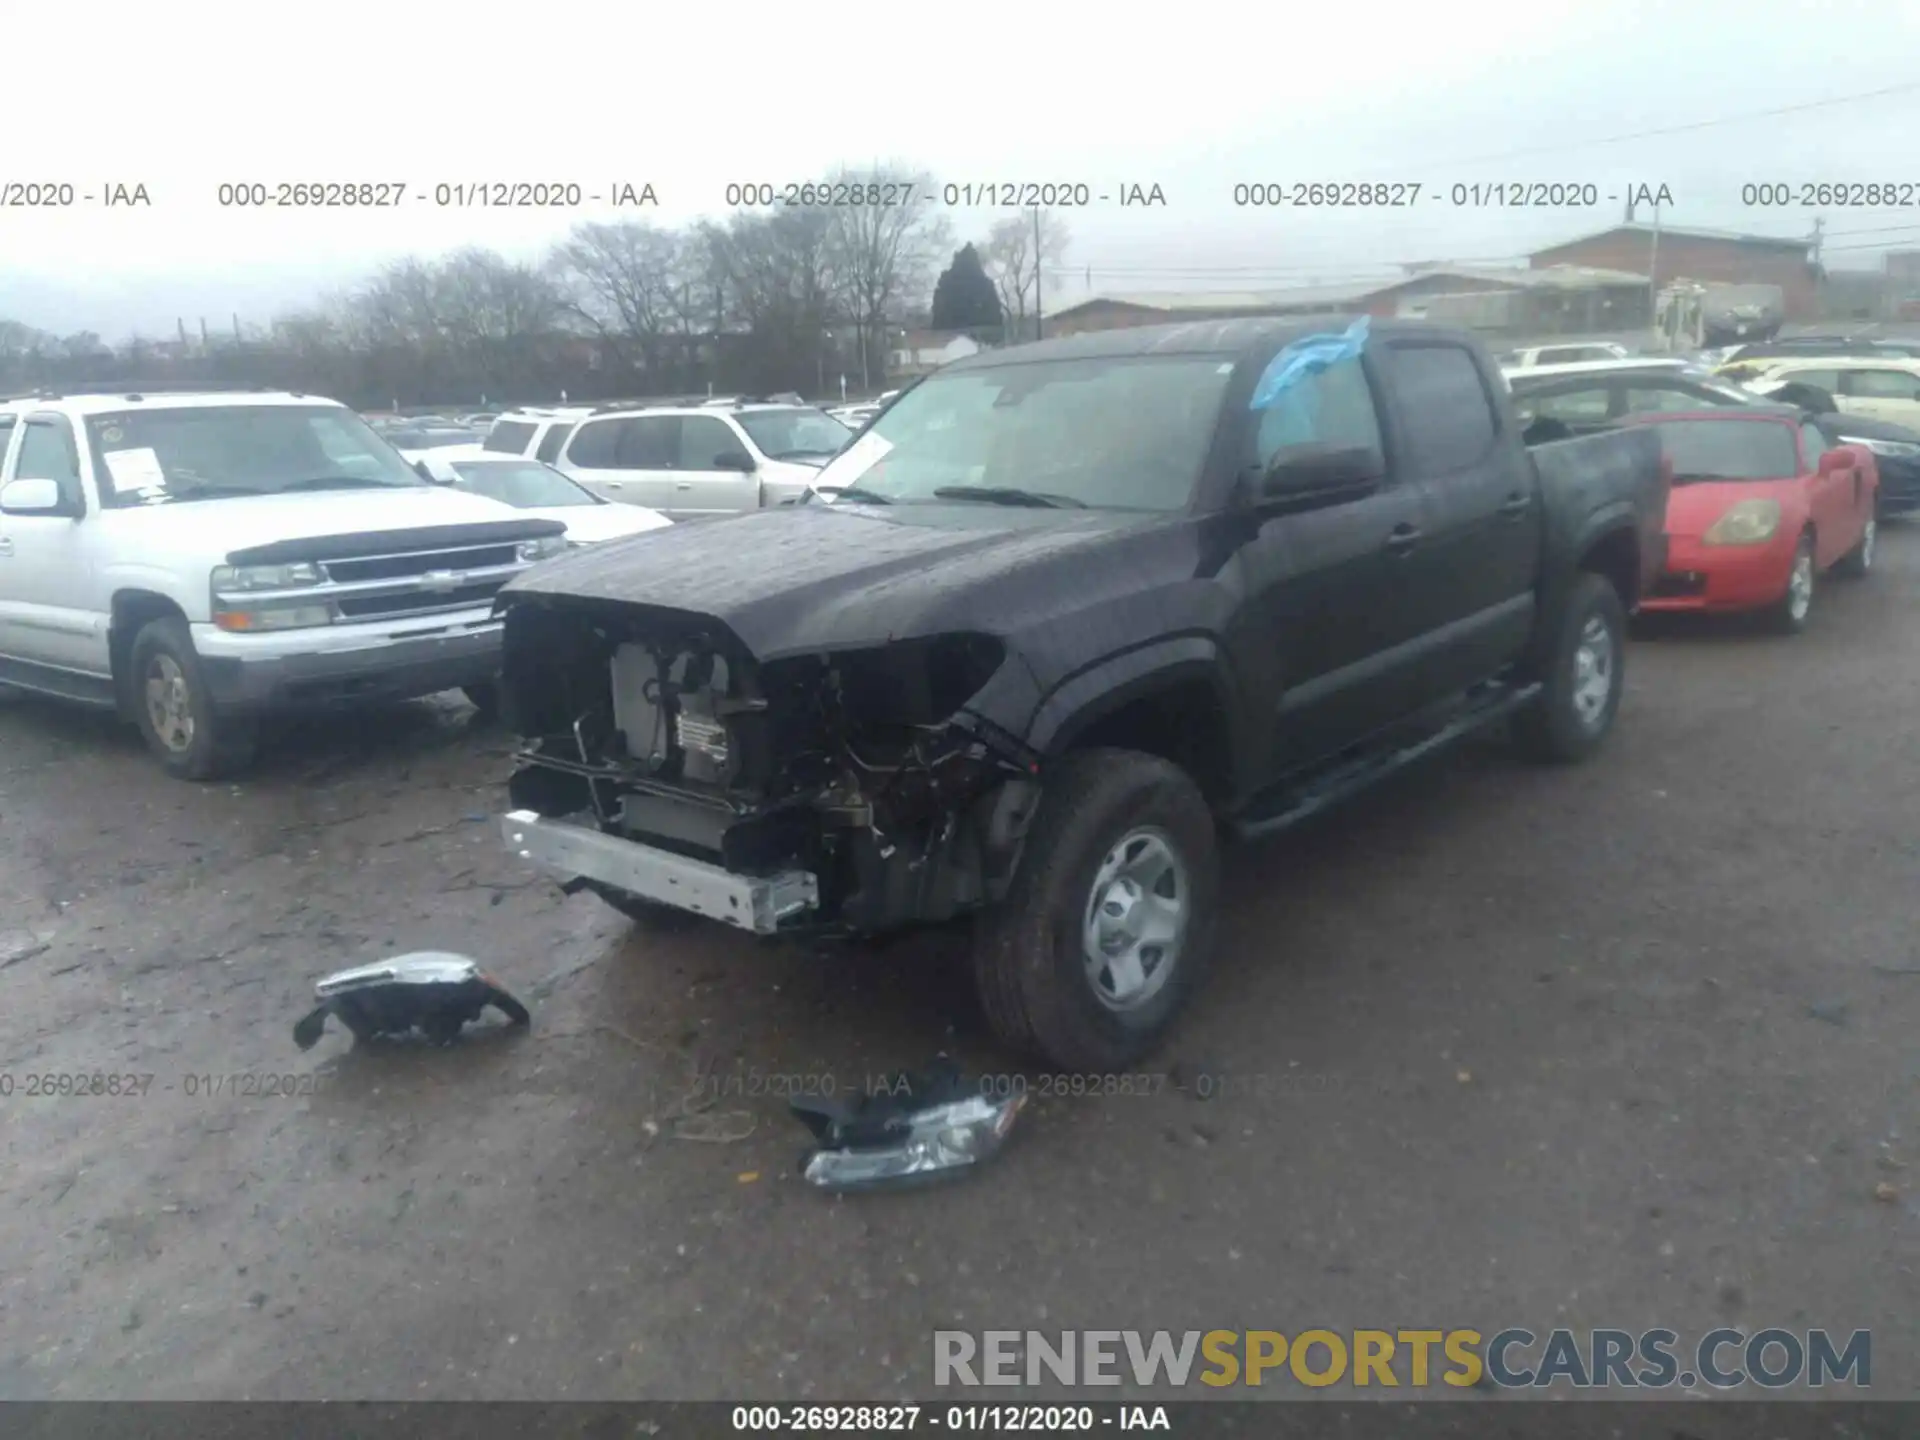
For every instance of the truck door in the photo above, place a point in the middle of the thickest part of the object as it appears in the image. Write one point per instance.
(1325, 616)
(713, 473)
(1470, 581)
(628, 459)
(44, 575)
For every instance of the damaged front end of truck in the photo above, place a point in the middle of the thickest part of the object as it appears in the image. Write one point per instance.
(838, 792)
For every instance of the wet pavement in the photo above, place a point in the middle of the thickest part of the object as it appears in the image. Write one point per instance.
(1624, 1045)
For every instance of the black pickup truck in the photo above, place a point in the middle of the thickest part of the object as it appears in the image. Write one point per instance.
(1060, 614)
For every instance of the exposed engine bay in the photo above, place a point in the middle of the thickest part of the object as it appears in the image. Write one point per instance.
(861, 768)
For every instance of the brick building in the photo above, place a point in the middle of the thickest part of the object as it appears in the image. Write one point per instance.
(1558, 300)
(1704, 255)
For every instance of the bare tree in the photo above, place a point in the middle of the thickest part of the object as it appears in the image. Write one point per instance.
(1010, 255)
(885, 255)
(626, 280)
(780, 282)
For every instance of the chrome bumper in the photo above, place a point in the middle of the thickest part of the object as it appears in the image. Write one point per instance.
(749, 902)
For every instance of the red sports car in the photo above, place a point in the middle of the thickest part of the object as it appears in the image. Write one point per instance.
(1762, 504)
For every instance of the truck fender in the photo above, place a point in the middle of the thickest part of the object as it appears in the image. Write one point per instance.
(1599, 528)
(1105, 687)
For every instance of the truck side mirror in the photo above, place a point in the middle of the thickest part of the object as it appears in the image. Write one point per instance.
(737, 461)
(32, 497)
(1305, 472)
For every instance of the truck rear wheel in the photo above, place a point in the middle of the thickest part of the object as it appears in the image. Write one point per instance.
(1582, 679)
(1109, 924)
(175, 711)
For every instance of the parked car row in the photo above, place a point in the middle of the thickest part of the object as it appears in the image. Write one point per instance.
(687, 459)
(1602, 394)
(1057, 617)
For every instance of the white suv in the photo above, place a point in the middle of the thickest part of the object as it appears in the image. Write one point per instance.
(688, 461)
(534, 434)
(194, 560)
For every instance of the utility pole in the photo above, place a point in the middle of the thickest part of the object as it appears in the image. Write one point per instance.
(1819, 278)
(1653, 265)
(1039, 330)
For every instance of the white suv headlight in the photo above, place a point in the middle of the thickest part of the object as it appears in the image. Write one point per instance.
(1751, 522)
(544, 548)
(265, 577)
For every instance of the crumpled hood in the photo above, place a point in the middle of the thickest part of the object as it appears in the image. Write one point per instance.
(815, 578)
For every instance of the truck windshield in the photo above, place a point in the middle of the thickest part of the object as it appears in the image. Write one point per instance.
(1112, 433)
(1706, 450)
(205, 452)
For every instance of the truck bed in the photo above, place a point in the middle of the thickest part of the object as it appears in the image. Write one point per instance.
(1591, 477)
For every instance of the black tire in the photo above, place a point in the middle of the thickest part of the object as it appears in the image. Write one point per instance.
(1563, 724)
(209, 745)
(1857, 563)
(647, 914)
(1788, 615)
(484, 697)
(1035, 986)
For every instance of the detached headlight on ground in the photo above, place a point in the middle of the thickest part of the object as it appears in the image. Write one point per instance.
(544, 548)
(921, 1145)
(1899, 449)
(1751, 522)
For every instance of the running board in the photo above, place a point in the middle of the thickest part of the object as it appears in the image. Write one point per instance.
(1340, 782)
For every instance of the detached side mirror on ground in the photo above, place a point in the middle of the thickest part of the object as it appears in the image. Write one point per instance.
(1319, 472)
(32, 497)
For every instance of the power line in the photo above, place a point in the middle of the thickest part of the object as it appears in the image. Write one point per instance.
(1690, 126)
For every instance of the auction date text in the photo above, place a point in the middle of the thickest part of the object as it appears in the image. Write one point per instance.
(1841, 194)
(446, 194)
(1406, 194)
(121, 1084)
(65, 195)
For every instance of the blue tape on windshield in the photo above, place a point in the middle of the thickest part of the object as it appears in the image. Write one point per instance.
(1306, 356)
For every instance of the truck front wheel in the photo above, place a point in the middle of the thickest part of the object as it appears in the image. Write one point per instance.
(175, 712)
(1582, 678)
(1108, 926)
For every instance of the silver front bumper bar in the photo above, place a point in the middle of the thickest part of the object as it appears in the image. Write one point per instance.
(756, 903)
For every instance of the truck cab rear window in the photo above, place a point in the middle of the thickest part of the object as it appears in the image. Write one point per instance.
(1443, 398)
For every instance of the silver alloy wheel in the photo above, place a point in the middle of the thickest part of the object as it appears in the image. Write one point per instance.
(1866, 544)
(1136, 919)
(170, 703)
(1800, 584)
(1593, 670)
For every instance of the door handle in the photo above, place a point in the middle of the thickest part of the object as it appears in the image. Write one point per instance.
(684, 485)
(1403, 538)
(6, 545)
(1515, 507)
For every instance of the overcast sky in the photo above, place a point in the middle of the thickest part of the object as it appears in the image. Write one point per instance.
(1195, 97)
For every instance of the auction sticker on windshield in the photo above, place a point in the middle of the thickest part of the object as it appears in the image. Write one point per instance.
(133, 471)
(859, 458)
